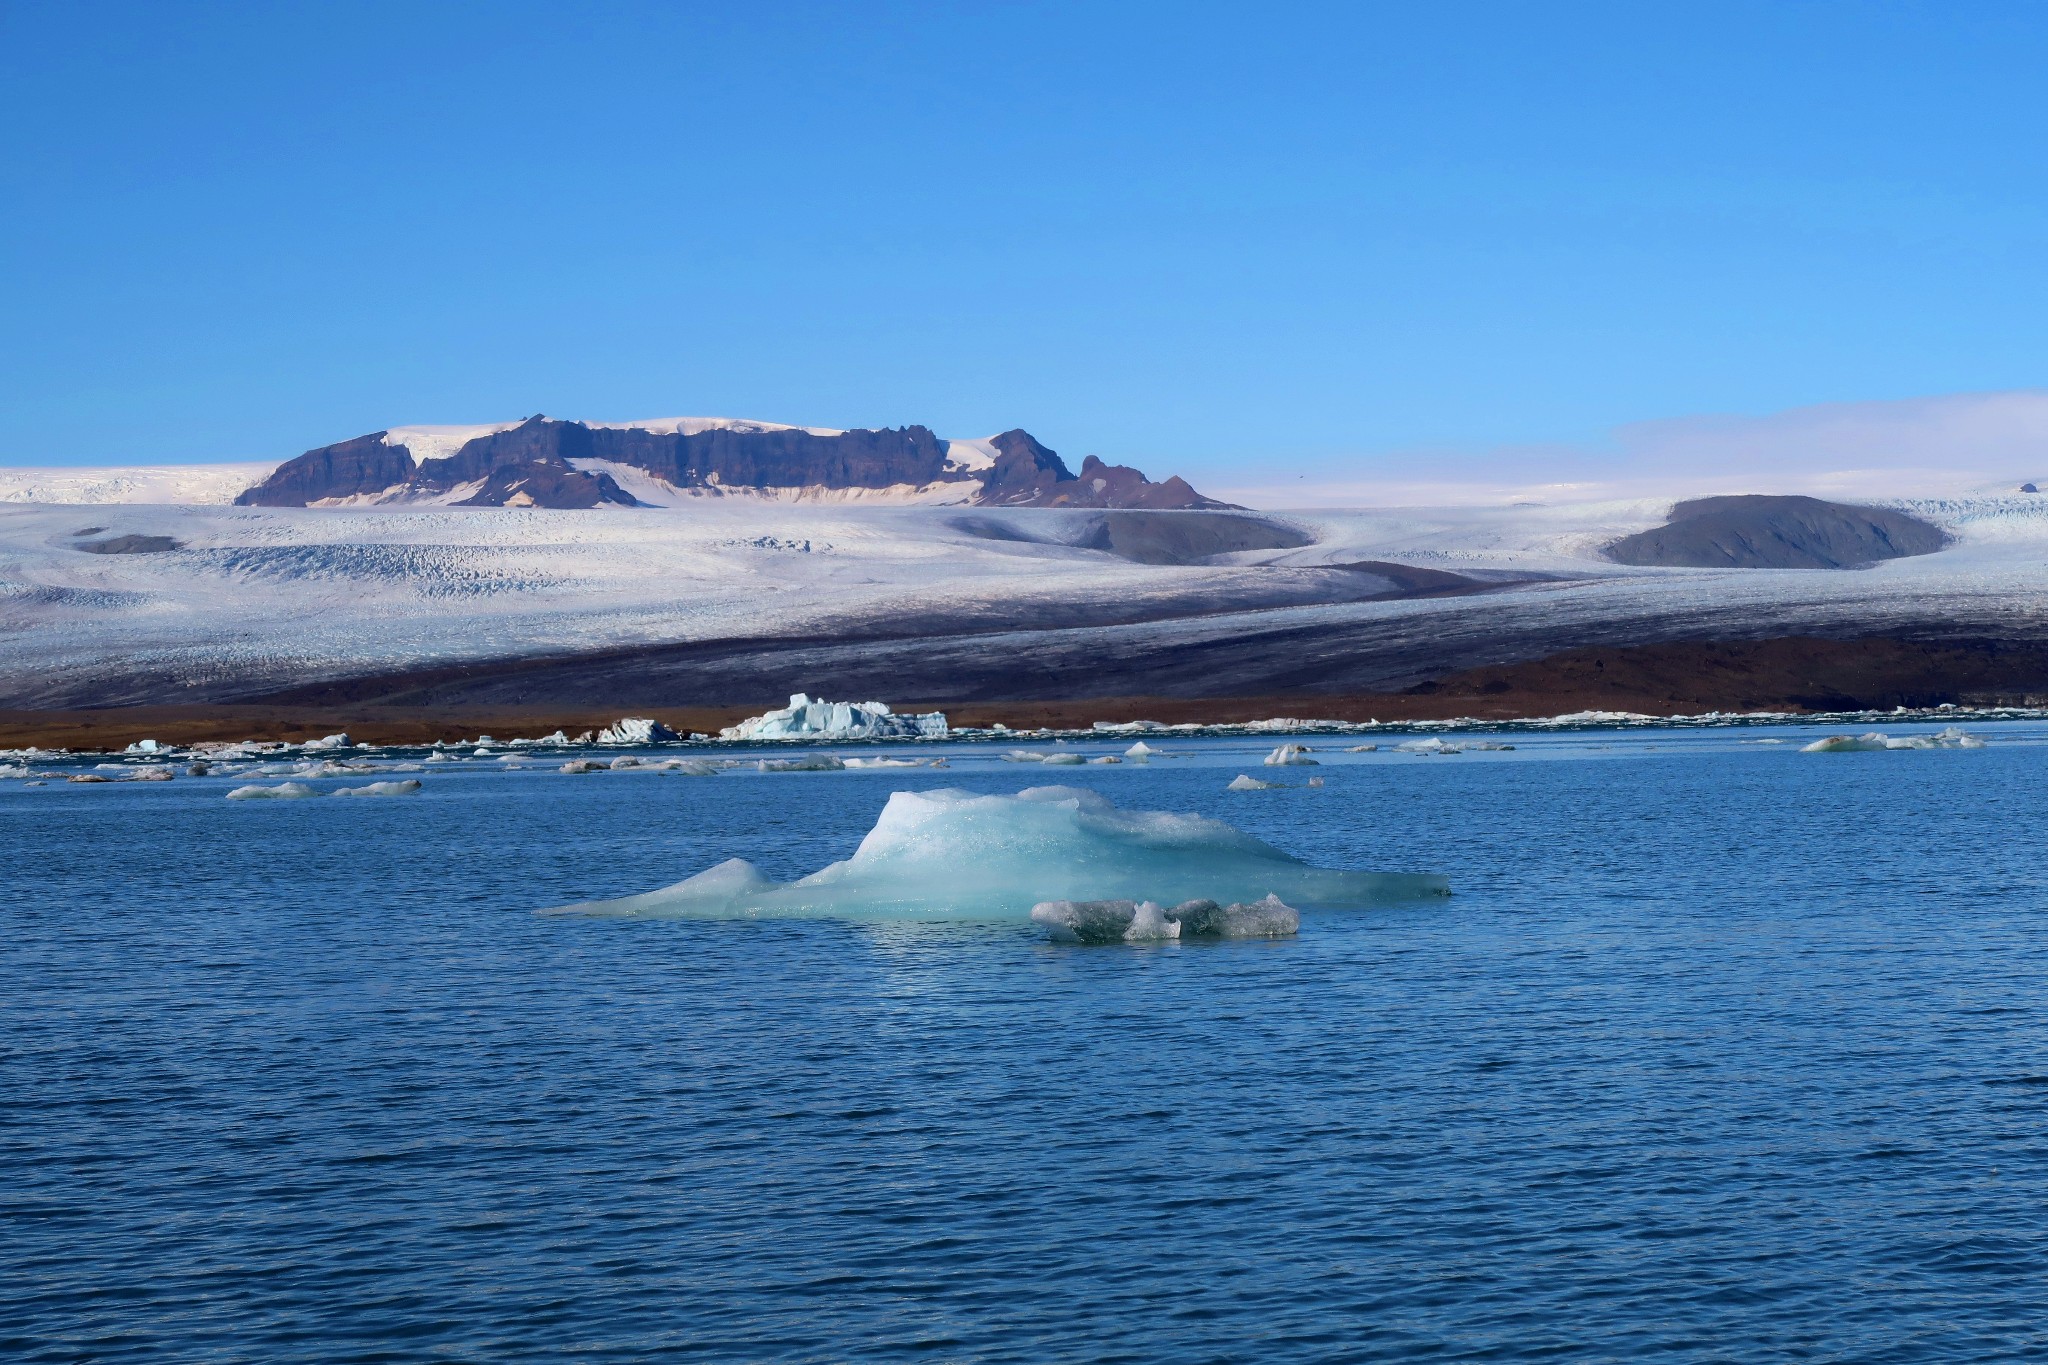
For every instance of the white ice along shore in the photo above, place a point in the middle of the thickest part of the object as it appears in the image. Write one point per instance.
(959, 855)
(815, 719)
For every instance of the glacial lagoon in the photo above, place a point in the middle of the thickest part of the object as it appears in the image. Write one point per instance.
(1716, 1050)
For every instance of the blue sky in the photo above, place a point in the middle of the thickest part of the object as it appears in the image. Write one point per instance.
(1283, 239)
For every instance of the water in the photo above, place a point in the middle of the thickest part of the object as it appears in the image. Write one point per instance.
(1719, 1052)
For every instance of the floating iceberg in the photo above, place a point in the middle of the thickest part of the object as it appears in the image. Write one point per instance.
(1245, 782)
(806, 718)
(1290, 755)
(1141, 752)
(328, 742)
(1954, 737)
(635, 730)
(959, 855)
(286, 791)
(145, 746)
(403, 787)
(574, 766)
(1151, 922)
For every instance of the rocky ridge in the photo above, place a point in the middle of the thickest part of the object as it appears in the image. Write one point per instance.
(542, 462)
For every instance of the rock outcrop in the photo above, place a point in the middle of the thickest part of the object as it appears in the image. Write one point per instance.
(1767, 531)
(542, 462)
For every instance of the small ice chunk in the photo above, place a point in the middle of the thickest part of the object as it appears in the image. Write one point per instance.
(286, 791)
(1363, 749)
(810, 763)
(1268, 918)
(88, 777)
(1141, 751)
(1106, 758)
(690, 767)
(341, 741)
(624, 761)
(574, 765)
(403, 787)
(1431, 745)
(1123, 921)
(1064, 760)
(1244, 782)
(1290, 755)
(145, 746)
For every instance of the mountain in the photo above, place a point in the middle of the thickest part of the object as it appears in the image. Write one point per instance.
(541, 462)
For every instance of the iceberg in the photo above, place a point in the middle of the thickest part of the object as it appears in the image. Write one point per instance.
(1245, 782)
(1290, 755)
(145, 746)
(328, 742)
(959, 855)
(282, 791)
(808, 718)
(403, 787)
(635, 730)
(1150, 922)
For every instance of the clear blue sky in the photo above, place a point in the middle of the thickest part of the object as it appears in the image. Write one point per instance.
(1186, 236)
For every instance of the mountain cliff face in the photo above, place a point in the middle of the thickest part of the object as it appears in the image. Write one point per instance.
(546, 463)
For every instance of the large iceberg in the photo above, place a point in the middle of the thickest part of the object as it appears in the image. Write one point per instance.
(635, 730)
(806, 718)
(959, 855)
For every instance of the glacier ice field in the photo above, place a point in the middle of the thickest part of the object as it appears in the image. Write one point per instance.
(1718, 1050)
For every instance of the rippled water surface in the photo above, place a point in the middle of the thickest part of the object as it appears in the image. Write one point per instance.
(1719, 1051)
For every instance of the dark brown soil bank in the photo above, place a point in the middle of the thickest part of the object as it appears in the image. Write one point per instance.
(1797, 674)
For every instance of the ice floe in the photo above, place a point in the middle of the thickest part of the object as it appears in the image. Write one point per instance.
(808, 718)
(960, 855)
(1954, 737)
(1290, 755)
(403, 787)
(284, 791)
(1245, 782)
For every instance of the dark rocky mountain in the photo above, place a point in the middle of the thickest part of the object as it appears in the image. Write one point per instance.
(1767, 531)
(541, 463)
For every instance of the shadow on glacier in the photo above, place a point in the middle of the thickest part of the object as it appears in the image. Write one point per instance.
(955, 855)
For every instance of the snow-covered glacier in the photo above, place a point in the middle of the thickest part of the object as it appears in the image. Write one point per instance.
(952, 854)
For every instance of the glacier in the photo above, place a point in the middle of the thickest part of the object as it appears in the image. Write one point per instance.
(952, 854)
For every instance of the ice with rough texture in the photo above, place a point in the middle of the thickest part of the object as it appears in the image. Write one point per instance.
(1150, 922)
(403, 787)
(810, 763)
(960, 855)
(1290, 755)
(1245, 782)
(1954, 737)
(329, 742)
(635, 730)
(808, 718)
(284, 791)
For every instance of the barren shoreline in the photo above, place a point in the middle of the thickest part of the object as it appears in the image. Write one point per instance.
(1793, 674)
